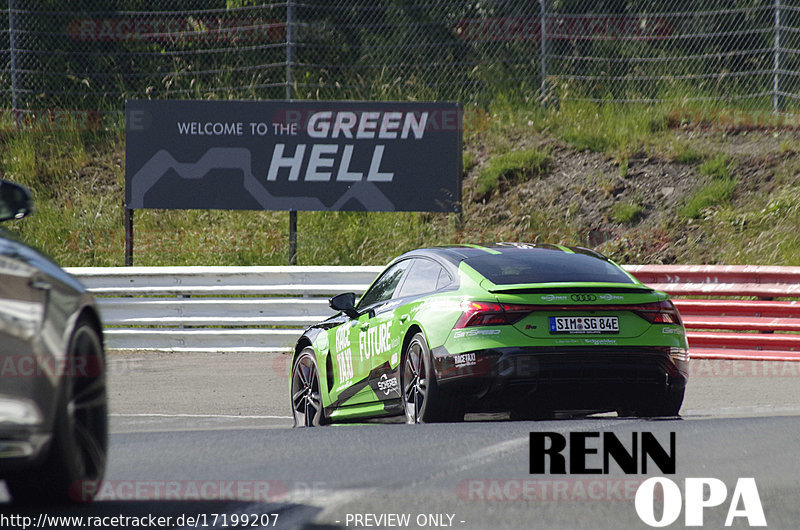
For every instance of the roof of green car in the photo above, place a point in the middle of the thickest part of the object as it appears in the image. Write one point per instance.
(457, 253)
(527, 263)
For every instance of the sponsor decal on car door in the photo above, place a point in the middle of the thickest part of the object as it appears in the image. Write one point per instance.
(350, 371)
(375, 341)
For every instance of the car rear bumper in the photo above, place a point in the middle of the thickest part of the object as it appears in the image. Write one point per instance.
(597, 378)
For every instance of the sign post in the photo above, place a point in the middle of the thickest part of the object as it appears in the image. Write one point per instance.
(128, 236)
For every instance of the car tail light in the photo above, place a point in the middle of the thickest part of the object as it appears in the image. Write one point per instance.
(663, 312)
(494, 314)
(490, 314)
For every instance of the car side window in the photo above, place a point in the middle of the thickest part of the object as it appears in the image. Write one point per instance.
(386, 285)
(422, 278)
(444, 279)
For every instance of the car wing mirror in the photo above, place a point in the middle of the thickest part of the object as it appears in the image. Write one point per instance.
(346, 303)
(15, 201)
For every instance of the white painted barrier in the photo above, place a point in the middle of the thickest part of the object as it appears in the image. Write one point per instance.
(215, 308)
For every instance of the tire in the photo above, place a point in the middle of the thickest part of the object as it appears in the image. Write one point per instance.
(306, 397)
(76, 460)
(423, 402)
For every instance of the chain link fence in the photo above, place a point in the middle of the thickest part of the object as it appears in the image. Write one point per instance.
(93, 54)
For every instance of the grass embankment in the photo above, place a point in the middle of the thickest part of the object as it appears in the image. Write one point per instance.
(717, 192)
(640, 183)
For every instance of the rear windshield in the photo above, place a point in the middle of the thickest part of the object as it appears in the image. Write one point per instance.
(545, 266)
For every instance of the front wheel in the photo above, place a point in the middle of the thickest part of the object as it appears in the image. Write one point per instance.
(76, 460)
(423, 401)
(306, 397)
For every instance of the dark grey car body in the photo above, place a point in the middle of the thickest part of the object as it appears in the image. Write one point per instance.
(39, 306)
(51, 359)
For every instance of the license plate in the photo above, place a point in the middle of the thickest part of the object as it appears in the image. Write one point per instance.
(584, 325)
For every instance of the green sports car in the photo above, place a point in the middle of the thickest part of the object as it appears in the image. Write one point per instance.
(512, 327)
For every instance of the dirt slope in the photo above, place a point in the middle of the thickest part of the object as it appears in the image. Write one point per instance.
(576, 201)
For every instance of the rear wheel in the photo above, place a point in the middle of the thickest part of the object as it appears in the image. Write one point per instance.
(76, 461)
(306, 397)
(423, 402)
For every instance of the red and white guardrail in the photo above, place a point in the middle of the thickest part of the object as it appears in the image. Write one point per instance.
(720, 327)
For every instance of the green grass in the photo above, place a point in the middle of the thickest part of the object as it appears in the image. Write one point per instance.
(373, 238)
(513, 166)
(618, 130)
(789, 146)
(718, 167)
(682, 152)
(760, 230)
(627, 212)
(42, 160)
(623, 168)
(468, 161)
(715, 193)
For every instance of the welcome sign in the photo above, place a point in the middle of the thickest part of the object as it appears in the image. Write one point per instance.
(276, 155)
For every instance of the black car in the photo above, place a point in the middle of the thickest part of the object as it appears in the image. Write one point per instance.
(53, 402)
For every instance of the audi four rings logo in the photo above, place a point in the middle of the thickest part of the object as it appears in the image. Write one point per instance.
(583, 298)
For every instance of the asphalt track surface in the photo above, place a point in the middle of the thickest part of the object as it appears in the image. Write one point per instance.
(189, 421)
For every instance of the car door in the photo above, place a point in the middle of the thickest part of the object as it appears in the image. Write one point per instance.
(372, 340)
(22, 304)
(392, 320)
(24, 361)
(358, 341)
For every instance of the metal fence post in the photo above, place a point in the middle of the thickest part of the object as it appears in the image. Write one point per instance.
(289, 46)
(543, 49)
(289, 62)
(777, 99)
(12, 38)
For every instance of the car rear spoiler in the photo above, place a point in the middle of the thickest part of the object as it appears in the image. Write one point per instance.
(566, 287)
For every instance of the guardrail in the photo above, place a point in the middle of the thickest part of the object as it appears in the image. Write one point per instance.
(249, 309)
(718, 328)
(259, 309)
